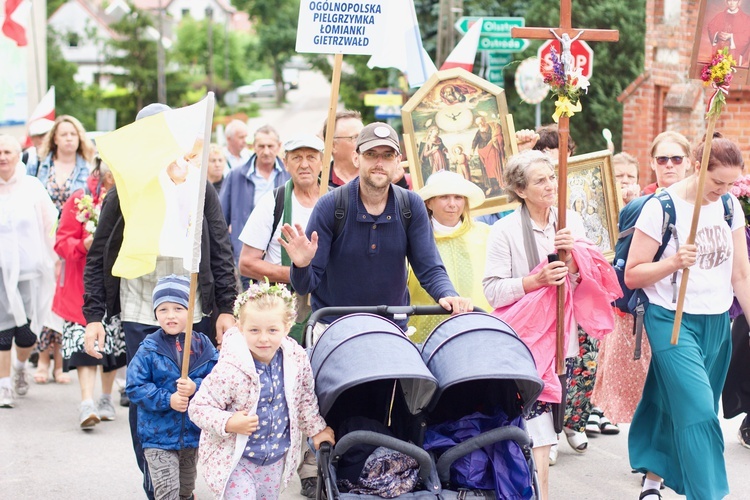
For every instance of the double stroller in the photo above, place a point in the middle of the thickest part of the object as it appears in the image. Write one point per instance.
(379, 391)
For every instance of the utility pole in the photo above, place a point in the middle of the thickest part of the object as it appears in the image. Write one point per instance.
(450, 11)
(161, 78)
(210, 39)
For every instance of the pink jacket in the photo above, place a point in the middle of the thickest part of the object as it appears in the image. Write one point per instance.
(232, 386)
(534, 316)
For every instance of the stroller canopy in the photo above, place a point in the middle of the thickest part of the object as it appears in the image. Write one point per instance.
(477, 346)
(361, 348)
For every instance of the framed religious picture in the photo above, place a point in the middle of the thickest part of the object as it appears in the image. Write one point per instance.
(593, 194)
(722, 24)
(459, 122)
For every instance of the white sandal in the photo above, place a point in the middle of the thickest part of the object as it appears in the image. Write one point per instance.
(577, 440)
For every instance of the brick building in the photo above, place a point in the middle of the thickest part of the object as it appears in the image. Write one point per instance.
(663, 98)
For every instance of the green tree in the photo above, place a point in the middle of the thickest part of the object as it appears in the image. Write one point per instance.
(276, 27)
(72, 98)
(134, 50)
(191, 53)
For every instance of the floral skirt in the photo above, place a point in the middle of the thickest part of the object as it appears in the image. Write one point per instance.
(74, 352)
(581, 372)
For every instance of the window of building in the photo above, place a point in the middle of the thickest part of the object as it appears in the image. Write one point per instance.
(73, 40)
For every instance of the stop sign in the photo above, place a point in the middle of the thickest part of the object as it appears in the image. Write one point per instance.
(583, 56)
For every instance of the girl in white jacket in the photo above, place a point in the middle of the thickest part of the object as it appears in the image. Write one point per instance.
(258, 398)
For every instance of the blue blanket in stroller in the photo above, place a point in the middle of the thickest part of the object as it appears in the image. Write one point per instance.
(500, 467)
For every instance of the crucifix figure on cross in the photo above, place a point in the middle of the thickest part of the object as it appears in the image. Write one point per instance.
(563, 34)
(565, 55)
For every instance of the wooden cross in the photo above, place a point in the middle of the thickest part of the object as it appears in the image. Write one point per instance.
(563, 130)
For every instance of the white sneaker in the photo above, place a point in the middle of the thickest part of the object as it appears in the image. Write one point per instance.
(106, 409)
(553, 454)
(20, 382)
(88, 416)
(6, 398)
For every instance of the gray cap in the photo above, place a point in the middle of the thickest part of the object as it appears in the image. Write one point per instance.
(377, 134)
(304, 141)
(151, 110)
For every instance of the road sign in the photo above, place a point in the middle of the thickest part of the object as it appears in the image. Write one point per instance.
(583, 56)
(495, 33)
(494, 75)
(529, 81)
(498, 59)
(384, 99)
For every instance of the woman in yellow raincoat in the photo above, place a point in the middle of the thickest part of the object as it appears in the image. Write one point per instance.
(460, 241)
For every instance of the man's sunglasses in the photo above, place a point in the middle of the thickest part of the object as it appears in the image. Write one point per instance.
(662, 160)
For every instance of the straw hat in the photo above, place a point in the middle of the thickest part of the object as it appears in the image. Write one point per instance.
(445, 182)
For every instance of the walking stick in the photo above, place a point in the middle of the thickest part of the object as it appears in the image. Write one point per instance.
(693, 226)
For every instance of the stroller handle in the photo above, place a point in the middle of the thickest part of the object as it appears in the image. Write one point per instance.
(379, 310)
(426, 468)
(510, 432)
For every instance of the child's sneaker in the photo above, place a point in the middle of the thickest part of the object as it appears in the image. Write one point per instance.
(744, 433)
(20, 382)
(6, 398)
(89, 416)
(106, 409)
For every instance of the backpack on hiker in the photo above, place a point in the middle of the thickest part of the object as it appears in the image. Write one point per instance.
(635, 301)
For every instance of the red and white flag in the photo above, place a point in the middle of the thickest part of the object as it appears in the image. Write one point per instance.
(12, 28)
(45, 108)
(466, 51)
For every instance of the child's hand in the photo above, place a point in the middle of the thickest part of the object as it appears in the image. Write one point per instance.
(242, 423)
(178, 402)
(326, 435)
(185, 387)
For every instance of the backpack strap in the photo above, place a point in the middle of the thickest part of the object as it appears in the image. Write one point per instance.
(278, 207)
(287, 206)
(341, 201)
(404, 206)
(726, 199)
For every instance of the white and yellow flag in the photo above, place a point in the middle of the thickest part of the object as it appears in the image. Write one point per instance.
(156, 162)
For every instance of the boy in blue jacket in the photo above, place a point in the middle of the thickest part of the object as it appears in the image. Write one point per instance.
(169, 438)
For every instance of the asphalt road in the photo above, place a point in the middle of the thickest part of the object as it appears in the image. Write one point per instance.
(45, 455)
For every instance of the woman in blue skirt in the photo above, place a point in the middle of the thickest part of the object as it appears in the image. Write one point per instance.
(675, 434)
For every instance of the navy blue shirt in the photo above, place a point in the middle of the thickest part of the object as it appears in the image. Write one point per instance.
(366, 264)
(271, 441)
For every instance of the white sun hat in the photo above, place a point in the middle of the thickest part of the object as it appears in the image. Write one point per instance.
(446, 182)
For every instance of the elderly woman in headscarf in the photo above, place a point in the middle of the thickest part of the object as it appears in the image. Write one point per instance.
(27, 261)
(461, 242)
(519, 276)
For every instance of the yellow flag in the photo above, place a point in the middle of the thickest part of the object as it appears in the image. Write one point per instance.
(156, 162)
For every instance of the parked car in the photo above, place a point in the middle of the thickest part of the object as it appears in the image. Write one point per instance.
(265, 87)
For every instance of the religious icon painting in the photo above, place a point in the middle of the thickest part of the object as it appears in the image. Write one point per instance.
(593, 195)
(459, 122)
(722, 24)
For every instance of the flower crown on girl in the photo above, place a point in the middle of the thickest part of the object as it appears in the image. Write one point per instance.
(260, 289)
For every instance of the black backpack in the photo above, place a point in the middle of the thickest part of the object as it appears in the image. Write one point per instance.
(635, 301)
(341, 199)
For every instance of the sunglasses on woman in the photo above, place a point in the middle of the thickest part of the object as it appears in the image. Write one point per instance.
(662, 160)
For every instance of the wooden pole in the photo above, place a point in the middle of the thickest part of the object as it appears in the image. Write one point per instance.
(694, 226)
(563, 131)
(331, 122)
(189, 327)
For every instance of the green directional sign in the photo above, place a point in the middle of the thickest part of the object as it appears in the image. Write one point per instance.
(495, 33)
(498, 59)
(495, 75)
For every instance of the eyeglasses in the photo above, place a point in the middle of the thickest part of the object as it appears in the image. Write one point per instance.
(387, 156)
(662, 160)
(352, 138)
